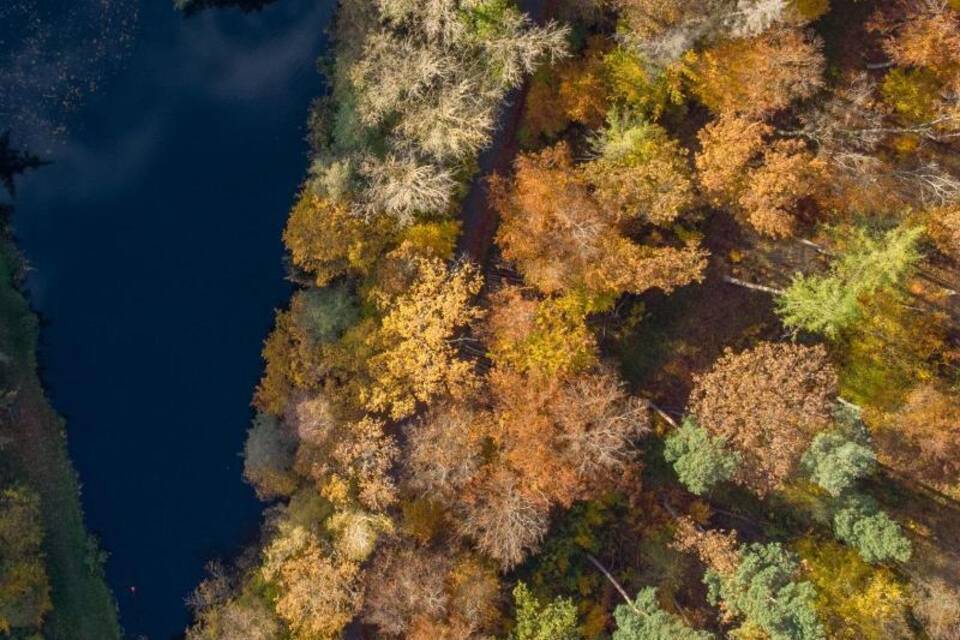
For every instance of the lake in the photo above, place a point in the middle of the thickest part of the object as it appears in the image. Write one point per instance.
(154, 241)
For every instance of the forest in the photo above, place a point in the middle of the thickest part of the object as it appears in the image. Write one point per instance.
(629, 319)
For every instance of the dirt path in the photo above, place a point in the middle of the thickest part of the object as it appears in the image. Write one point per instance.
(477, 215)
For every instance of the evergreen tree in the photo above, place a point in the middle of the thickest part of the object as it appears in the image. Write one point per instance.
(764, 592)
(863, 525)
(835, 462)
(643, 619)
(700, 460)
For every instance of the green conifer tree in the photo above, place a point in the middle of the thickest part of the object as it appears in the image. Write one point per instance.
(700, 460)
(861, 523)
(645, 620)
(763, 591)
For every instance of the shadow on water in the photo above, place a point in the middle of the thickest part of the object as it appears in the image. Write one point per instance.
(154, 242)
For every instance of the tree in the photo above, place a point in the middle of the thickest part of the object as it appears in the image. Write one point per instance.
(868, 264)
(503, 522)
(324, 313)
(416, 357)
(925, 33)
(729, 145)
(356, 532)
(326, 241)
(923, 440)
(767, 403)
(937, 605)
(700, 460)
(24, 585)
(443, 450)
(536, 620)
(223, 610)
(639, 88)
(404, 584)
(318, 592)
(718, 550)
(753, 77)
(417, 98)
(835, 462)
(352, 463)
(570, 91)
(565, 439)
(764, 182)
(877, 538)
(547, 337)
(855, 601)
(788, 175)
(764, 591)
(643, 619)
(640, 172)
(943, 225)
(268, 458)
(561, 238)
(294, 364)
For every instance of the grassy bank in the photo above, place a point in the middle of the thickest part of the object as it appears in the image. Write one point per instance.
(34, 452)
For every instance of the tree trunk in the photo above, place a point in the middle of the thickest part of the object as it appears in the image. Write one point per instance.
(752, 286)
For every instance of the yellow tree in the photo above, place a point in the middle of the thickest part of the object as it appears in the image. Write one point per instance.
(855, 600)
(417, 356)
(326, 240)
(317, 592)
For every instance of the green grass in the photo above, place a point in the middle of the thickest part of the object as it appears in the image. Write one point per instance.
(35, 453)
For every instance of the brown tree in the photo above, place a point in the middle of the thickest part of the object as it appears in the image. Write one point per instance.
(921, 33)
(922, 439)
(566, 438)
(502, 521)
(404, 584)
(352, 463)
(754, 77)
(789, 174)
(561, 238)
(443, 450)
(764, 182)
(718, 550)
(767, 402)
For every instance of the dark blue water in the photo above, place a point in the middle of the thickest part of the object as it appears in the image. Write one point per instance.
(155, 243)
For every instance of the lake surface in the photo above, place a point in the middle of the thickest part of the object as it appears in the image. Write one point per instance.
(157, 264)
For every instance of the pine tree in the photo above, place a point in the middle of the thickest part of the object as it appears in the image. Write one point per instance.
(763, 591)
(643, 619)
(863, 525)
(700, 460)
(835, 462)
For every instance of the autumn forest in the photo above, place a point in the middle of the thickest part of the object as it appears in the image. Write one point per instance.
(629, 319)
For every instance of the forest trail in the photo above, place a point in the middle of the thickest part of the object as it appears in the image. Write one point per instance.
(477, 214)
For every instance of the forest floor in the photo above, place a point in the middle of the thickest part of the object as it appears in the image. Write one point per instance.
(33, 451)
